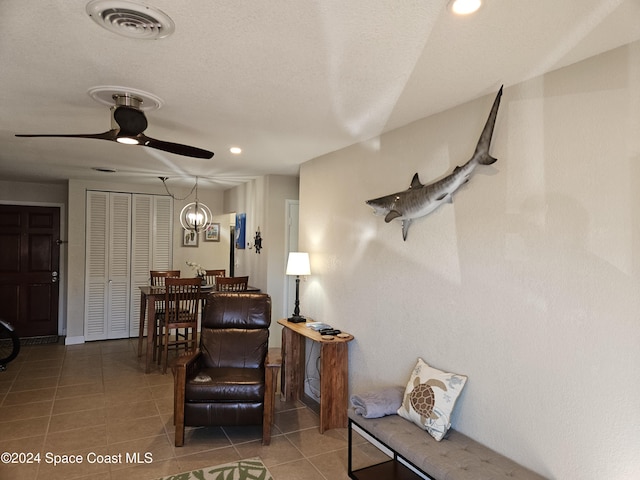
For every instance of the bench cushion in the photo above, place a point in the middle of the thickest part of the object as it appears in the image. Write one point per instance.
(456, 457)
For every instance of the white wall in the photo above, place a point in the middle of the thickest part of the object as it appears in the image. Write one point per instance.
(33, 193)
(527, 283)
(263, 200)
(210, 255)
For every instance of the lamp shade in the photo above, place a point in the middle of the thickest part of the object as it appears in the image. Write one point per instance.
(298, 264)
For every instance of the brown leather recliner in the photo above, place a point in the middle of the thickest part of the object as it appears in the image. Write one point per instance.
(223, 382)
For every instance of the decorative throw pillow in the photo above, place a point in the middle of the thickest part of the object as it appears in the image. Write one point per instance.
(430, 397)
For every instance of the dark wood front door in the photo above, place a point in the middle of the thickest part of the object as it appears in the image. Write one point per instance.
(29, 268)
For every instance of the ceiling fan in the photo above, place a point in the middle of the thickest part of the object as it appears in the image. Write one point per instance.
(128, 122)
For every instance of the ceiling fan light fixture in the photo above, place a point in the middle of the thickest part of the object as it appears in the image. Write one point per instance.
(128, 140)
(464, 7)
(131, 19)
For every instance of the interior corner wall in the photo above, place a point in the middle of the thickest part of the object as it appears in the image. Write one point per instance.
(263, 200)
(248, 198)
(528, 282)
(280, 188)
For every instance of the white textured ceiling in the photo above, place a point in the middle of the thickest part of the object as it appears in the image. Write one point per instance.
(286, 80)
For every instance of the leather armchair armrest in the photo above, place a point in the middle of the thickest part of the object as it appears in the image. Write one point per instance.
(186, 366)
(187, 360)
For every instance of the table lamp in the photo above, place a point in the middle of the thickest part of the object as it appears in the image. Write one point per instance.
(298, 264)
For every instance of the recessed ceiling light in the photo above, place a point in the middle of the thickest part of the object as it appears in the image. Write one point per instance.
(465, 7)
(235, 150)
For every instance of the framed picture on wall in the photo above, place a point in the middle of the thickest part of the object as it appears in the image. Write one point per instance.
(241, 225)
(189, 238)
(212, 234)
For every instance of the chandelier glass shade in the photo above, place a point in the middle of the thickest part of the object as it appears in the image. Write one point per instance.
(196, 217)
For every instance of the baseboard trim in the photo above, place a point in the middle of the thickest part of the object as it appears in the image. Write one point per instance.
(74, 340)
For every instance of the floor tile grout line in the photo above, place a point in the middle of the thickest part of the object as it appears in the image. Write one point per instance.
(53, 402)
(161, 403)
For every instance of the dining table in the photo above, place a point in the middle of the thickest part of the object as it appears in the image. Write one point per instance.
(149, 295)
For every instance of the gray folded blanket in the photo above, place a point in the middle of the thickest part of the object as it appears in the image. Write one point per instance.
(378, 403)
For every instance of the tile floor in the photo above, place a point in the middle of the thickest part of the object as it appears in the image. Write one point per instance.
(94, 399)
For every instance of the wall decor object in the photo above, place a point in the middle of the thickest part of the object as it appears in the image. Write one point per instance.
(241, 226)
(257, 241)
(419, 200)
(212, 234)
(189, 238)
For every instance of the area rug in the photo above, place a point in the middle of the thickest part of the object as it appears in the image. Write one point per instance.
(250, 469)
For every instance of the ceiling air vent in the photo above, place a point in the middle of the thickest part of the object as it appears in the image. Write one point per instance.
(131, 19)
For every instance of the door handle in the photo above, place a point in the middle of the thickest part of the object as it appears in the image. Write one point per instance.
(54, 277)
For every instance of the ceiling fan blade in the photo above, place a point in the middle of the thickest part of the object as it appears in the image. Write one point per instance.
(131, 122)
(176, 148)
(109, 135)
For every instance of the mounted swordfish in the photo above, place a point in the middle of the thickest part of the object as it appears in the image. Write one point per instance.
(419, 200)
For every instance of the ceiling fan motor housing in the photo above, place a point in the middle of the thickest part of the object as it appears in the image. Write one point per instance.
(129, 120)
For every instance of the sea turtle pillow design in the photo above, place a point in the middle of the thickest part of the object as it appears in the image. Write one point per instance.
(430, 397)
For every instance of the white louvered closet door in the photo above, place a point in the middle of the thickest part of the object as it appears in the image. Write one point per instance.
(162, 239)
(119, 265)
(96, 266)
(107, 277)
(151, 247)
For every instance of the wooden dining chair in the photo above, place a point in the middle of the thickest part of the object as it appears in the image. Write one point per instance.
(211, 275)
(157, 279)
(182, 303)
(232, 284)
(158, 276)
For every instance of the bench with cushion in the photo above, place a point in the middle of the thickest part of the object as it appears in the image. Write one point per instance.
(455, 457)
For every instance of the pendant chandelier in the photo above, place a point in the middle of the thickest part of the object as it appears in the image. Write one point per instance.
(195, 216)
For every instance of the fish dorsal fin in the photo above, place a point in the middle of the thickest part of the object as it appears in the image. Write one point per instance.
(415, 182)
(391, 215)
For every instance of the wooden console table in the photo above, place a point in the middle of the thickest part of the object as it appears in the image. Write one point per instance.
(334, 371)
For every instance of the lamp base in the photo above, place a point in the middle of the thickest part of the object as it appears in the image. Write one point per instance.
(296, 319)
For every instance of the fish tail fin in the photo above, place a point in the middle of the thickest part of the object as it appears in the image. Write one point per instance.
(482, 149)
